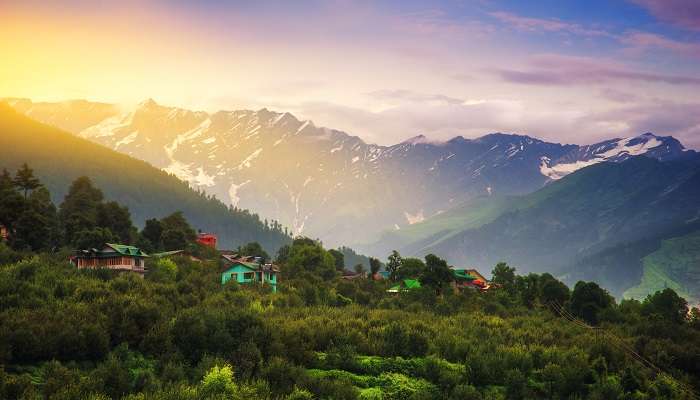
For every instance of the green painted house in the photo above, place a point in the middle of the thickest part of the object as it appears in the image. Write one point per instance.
(247, 271)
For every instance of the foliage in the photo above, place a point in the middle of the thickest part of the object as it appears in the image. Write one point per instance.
(436, 274)
(393, 264)
(68, 333)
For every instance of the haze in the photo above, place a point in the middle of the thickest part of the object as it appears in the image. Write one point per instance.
(575, 72)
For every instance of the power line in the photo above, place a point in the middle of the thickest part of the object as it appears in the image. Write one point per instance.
(622, 345)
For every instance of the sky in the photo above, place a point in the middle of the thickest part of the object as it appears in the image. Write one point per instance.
(574, 71)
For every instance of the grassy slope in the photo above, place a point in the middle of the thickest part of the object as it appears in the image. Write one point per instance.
(676, 265)
(58, 158)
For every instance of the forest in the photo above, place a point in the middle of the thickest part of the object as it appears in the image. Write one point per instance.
(178, 333)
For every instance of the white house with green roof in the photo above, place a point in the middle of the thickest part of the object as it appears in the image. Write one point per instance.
(119, 257)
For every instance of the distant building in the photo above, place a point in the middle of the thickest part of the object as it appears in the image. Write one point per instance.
(469, 278)
(249, 270)
(112, 256)
(405, 285)
(207, 239)
(4, 233)
(350, 275)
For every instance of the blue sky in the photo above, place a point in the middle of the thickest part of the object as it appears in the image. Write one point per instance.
(568, 71)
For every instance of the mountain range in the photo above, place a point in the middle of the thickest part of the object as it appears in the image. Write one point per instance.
(59, 157)
(326, 183)
(624, 212)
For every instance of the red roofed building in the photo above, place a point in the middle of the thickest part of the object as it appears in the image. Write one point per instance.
(207, 239)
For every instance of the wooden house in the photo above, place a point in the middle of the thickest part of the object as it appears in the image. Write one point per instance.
(249, 270)
(207, 239)
(469, 278)
(112, 256)
(4, 233)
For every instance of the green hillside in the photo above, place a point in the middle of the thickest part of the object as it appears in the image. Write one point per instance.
(59, 157)
(675, 265)
(471, 214)
(597, 223)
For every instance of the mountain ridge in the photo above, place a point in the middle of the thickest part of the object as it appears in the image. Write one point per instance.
(292, 170)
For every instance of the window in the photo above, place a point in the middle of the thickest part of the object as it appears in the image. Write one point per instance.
(248, 275)
(234, 276)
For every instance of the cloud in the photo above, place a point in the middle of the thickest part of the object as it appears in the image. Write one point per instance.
(642, 41)
(545, 25)
(682, 13)
(556, 70)
(558, 121)
(411, 96)
(618, 96)
(662, 117)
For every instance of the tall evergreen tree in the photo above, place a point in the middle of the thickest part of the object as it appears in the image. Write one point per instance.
(374, 266)
(393, 264)
(437, 274)
(11, 202)
(25, 180)
(79, 209)
(152, 232)
(117, 219)
(37, 227)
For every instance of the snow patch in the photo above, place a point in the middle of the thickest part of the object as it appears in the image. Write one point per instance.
(414, 218)
(246, 163)
(108, 126)
(233, 192)
(127, 139)
(202, 179)
(622, 148)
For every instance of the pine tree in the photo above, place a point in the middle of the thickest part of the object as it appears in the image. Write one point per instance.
(11, 202)
(78, 212)
(37, 226)
(25, 180)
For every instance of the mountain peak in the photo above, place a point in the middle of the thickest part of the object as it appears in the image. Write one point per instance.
(148, 103)
(416, 140)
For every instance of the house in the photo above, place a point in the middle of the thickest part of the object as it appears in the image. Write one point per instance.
(476, 274)
(350, 275)
(249, 270)
(207, 239)
(404, 285)
(118, 257)
(4, 233)
(469, 278)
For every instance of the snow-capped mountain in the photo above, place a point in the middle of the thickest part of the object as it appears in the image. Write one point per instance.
(615, 150)
(323, 182)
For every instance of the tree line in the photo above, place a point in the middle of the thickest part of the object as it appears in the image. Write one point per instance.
(84, 220)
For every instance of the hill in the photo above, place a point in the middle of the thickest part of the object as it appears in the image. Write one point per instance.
(596, 224)
(59, 157)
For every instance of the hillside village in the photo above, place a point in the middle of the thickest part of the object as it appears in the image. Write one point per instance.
(90, 304)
